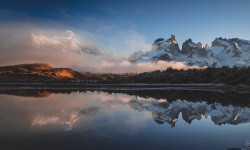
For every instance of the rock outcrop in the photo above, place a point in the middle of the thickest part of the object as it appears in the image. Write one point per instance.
(173, 45)
(188, 47)
(199, 45)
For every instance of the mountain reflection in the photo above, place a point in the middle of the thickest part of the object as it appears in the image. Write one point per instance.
(62, 118)
(166, 106)
(162, 112)
(90, 119)
(168, 112)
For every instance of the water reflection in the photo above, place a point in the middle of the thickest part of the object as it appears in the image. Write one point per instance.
(165, 107)
(111, 120)
(62, 118)
(168, 112)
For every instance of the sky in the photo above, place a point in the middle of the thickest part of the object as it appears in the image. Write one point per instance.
(117, 27)
(145, 21)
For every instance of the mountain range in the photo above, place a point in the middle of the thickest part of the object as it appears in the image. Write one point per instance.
(223, 52)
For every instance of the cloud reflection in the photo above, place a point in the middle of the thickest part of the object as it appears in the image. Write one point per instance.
(62, 118)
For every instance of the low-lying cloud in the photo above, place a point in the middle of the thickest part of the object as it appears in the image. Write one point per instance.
(16, 47)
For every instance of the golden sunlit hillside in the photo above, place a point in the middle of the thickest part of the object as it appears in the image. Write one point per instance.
(36, 72)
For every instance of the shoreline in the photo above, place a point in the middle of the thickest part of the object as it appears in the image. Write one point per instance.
(118, 87)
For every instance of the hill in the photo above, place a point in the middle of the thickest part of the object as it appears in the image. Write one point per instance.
(36, 73)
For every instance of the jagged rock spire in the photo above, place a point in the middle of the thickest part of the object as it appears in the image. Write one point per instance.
(173, 37)
(199, 45)
(206, 46)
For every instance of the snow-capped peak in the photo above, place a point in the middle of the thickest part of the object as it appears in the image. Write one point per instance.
(68, 42)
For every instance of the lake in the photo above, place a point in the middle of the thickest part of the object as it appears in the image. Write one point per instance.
(112, 120)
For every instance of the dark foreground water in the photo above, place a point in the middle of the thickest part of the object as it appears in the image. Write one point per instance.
(94, 120)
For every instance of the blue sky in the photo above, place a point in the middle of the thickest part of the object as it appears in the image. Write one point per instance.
(146, 20)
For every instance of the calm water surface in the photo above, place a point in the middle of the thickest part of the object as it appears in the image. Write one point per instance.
(98, 120)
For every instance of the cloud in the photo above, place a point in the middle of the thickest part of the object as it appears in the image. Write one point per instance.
(17, 47)
(135, 41)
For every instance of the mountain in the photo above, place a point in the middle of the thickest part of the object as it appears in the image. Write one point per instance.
(223, 52)
(231, 52)
(169, 112)
(66, 43)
